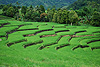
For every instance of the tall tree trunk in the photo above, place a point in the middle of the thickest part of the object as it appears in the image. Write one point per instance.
(71, 24)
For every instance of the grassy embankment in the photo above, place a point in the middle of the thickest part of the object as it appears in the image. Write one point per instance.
(40, 44)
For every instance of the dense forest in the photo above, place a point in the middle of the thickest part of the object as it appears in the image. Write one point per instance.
(85, 3)
(45, 3)
(81, 12)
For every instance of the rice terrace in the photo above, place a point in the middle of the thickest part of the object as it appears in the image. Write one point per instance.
(47, 44)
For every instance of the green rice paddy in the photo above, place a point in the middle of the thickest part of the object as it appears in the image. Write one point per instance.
(48, 44)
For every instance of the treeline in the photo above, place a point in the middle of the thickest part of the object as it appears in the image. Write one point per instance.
(84, 16)
(85, 3)
(88, 11)
(39, 14)
(45, 3)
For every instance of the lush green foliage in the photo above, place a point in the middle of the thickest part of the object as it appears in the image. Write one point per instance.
(23, 10)
(9, 10)
(86, 12)
(46, 43)
(46, 3)
(51, 44)
(81, 3)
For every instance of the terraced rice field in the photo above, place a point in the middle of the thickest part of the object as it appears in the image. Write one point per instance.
(41, 44)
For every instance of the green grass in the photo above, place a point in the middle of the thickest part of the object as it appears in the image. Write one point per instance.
(3, 21)
(65, 33)
(93, 30)
(25, 51)
(45, 28)
(94, 44)
(50, 40)
(76, 30)
(82, 27)
(13, 38)
(59, 26)
(59, 29)
(8, 29)
(27, 27)
(75, 41)
(63, 41)
(84, 33)
(98, 34)
(71, 27)
(2, 33)
(6, 18)
(32, 39)
(85, 41)
(26, 32)
(46, 33)
(17, 23)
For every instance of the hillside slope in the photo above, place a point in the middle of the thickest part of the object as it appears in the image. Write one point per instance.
(85, 3)
(46, 3)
